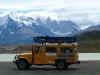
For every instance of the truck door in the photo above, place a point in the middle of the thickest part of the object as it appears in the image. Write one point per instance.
(51, 54)
(39, 55)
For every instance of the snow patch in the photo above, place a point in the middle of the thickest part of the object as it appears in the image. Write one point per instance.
(0, 32)
(11, 32)
(62, 34)
(42, 15)
(27, 23)
(15, 15)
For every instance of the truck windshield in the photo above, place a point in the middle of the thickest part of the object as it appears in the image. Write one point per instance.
(38, 49)
(51, 49)
(66, 49)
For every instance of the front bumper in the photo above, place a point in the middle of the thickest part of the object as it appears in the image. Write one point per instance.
(15, 61)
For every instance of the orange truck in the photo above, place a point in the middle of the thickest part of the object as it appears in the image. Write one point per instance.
(57, 51)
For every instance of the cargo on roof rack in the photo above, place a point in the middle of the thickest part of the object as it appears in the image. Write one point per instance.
(46, 39)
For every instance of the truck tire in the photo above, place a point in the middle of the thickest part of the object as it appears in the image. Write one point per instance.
(66, 66)
(60, 65)
(22, 64)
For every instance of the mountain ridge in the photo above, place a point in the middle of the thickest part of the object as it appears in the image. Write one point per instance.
(21, 29)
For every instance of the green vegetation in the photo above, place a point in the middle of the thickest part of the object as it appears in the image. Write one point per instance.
(89, 42)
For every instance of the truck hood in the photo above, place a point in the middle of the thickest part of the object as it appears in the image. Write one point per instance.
(26, 54)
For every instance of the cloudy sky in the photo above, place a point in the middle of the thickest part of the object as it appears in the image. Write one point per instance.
(77, 10)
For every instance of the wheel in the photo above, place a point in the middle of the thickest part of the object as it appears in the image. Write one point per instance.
(60, 65)
(22, 64)
(66, 66)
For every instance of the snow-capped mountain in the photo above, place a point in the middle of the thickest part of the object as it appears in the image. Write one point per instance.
(18, 28)
(92, 28)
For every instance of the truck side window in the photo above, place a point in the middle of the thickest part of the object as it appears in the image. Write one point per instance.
(38, 49)
(51, 49)
(66, 49)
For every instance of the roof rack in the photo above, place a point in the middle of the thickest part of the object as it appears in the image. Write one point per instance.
(47, 39)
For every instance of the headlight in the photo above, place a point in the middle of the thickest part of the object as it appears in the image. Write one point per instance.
(16, 57)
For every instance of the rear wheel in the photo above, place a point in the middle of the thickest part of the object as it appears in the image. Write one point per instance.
(66, 65)
(22, 64)
(60, 65)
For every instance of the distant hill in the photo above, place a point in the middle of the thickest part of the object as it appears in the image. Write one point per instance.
(89, 41)
(92, 28)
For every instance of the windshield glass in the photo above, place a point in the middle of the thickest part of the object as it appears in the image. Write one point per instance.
(66, 49)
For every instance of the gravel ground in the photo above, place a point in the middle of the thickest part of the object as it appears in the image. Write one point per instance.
(84, 68)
